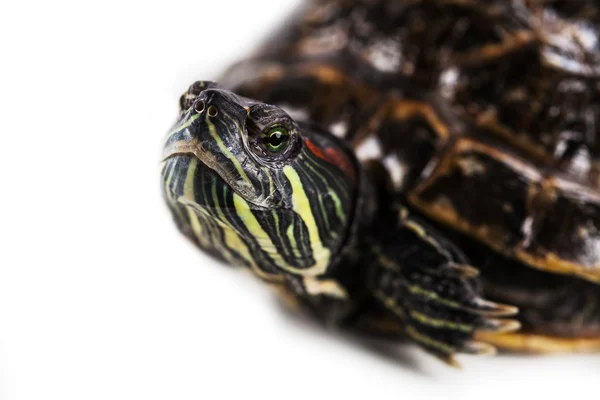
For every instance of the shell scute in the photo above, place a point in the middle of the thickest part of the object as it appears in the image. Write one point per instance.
(458, 97)
(546, 222)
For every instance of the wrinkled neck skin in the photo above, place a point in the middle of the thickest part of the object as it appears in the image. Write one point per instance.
(374, 215)
(345, 260)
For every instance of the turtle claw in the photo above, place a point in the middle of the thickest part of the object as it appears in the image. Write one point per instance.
(442, 313)
(462, 271)
(500, 325)
(479, 348)
(492, 309)
(451, 361)
(430, 287)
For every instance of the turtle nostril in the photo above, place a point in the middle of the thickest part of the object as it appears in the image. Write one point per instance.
(212, 111)
(199, 106)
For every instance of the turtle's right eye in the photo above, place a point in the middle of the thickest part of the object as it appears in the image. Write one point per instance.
(276, 139)
(273, 143)
(272, 134)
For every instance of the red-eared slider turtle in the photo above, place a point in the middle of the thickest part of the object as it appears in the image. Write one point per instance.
(429, 168)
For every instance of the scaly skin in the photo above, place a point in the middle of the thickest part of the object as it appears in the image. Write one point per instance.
(312, 220)
(317, 159)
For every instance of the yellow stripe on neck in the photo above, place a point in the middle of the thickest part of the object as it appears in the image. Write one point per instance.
(301, 206)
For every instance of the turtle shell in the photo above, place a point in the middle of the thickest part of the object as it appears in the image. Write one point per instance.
(484, 114)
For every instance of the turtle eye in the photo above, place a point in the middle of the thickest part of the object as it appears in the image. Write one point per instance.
(276, 139)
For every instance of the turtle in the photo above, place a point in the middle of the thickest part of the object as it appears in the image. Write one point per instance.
(420, 170)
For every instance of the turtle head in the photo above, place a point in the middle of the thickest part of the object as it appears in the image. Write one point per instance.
(252, 185)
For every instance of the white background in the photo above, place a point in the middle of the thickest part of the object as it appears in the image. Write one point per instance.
(100, 297)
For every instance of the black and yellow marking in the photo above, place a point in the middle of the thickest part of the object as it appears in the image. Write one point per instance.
(223, 200)
(490, 123)
(418, 282)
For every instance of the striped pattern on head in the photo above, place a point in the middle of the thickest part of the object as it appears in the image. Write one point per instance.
(253, 187)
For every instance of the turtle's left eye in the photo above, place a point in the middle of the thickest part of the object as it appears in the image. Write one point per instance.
(276, 139)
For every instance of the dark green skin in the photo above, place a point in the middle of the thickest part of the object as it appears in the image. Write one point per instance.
(398, 276)
(469, 124)
(558, 98)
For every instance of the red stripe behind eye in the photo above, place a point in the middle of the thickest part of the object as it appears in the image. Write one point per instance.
(333, 156)
(315, 150)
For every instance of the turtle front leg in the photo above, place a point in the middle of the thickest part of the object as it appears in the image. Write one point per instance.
(424, 280)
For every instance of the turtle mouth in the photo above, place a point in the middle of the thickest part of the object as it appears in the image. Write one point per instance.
(193, 175)
(191, 183)
(186, 148)
(208, 170)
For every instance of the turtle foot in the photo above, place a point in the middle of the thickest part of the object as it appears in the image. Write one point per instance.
(427, 284)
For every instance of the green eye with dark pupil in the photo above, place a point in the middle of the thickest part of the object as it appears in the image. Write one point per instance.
(276, 139)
